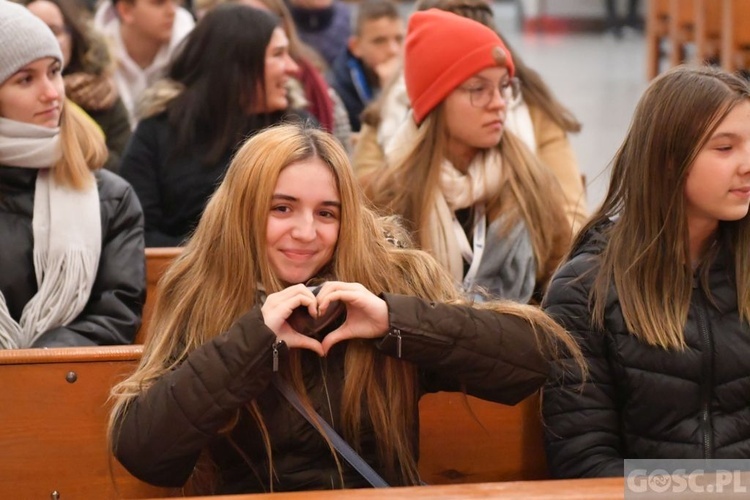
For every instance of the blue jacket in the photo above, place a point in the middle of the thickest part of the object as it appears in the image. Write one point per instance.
(348, 79)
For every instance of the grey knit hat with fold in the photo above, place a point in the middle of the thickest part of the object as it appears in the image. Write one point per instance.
(24, 38)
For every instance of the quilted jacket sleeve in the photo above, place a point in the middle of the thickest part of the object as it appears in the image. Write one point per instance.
(162, 432)
(582, 423)
(492, 356)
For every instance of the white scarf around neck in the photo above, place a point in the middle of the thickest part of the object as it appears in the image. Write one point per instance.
(457, 190)
(479, 184)
(67, 232)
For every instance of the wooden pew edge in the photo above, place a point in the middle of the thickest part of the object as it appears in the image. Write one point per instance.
(163, 252)
(71, 354)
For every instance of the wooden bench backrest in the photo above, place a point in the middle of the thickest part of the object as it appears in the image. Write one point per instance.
(735, 48)
(657, 27)
(53, 420)
(707, 30)
(157, 261)
(54, 410)
(488, 442)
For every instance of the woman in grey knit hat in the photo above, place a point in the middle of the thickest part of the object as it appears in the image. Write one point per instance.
(71, 236)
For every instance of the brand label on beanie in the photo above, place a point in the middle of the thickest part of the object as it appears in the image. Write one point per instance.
(499, 55)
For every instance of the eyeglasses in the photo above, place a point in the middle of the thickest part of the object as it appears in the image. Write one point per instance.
(482, 93)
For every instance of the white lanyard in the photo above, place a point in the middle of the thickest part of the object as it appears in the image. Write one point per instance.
(472, 256)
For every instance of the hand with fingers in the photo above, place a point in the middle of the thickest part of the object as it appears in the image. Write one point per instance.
(366, 313)
(279, 306)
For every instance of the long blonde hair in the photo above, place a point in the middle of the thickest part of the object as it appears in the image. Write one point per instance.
(216, 279)
(647, 255)
(83, 148)
(528, 191)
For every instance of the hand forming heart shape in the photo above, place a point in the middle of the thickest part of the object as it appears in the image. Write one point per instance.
(317, 328)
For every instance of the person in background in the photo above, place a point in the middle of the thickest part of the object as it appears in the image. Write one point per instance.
(72, 271)
(319, 99)
(205, 408)
(657, 290)
(615, 23)
(536, 117)
(226, 83)
(324, 25)
(472, 192)
(87, 71)
(372, 58)
(143, 35)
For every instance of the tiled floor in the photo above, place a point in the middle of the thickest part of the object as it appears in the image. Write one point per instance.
(598, 77)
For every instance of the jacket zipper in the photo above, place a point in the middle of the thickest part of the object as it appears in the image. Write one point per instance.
(395, 332)
(707, 383)
(276, 345)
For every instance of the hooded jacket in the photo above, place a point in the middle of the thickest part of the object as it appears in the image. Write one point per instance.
(164, 430)
(132, 80)
(643, 402)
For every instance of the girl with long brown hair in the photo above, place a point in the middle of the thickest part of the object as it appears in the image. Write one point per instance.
(472, 193)
(203, 405)
(535, 116)
(657, 289)
(72, 271)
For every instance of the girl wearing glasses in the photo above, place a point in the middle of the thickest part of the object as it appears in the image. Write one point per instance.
(535, 116)
(475, 196)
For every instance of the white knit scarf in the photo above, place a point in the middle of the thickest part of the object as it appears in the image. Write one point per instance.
(67, 237)
(457, 190)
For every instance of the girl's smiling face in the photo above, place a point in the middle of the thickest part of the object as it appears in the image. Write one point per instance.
(303, 221)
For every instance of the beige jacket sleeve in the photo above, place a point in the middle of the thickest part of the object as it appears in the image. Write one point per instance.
(555, 151)
(368, 155)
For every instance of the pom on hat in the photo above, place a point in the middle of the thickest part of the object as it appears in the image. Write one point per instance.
(443, 50)
(24, 38)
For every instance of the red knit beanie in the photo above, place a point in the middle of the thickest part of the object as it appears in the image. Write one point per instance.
(442, 51)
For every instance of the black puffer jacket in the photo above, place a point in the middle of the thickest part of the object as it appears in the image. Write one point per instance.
(167, 426)
(644, 402)
(113, 312)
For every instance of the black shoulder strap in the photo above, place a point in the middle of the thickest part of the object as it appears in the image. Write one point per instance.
(346, 451)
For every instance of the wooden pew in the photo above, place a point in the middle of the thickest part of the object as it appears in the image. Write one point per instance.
(681, 29)
(468, 440)
(53, 420)
(55, 409)
(657, 28)
(707, 30)
(735, 36)
(608, 488)
(157, 261)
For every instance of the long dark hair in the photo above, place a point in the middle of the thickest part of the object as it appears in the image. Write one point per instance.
(221, 65)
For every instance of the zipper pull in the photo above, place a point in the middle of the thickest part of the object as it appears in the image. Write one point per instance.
(397, 333)
(276, 345)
